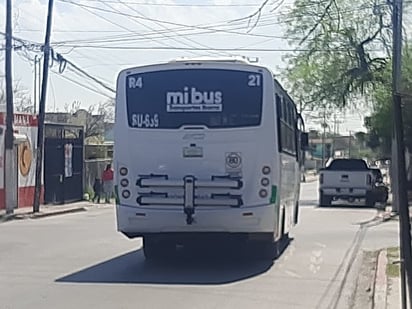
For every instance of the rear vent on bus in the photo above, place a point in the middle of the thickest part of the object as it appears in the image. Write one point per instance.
(160, 190)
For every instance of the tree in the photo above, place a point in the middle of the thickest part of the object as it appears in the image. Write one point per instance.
(21, 97)
(93, 119)
(336, 63)
(379, 123)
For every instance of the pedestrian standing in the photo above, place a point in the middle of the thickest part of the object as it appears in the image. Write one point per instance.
(97, 188)
(107, 179)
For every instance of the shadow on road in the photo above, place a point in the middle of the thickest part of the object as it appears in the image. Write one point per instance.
(335, 205)
(308, 203)
(346, 206)
(221, 266)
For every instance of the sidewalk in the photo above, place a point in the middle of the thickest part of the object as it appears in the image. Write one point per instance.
(49, 210)
(311, 176)
(387, 281)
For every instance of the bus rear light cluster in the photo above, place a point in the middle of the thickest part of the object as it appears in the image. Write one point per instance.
(124, 182)
(265, 182)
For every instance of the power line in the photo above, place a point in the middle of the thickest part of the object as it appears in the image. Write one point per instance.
(147, 36)
(33, 46)
(90, 76)
(207, 49)
(81, 85)
(138, 22)
(185, 27)
(161, 25)
(157, 20)
(182, 5)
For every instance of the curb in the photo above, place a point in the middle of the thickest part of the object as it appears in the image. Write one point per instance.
(59, 212)
(381, 282)
(310, 179)
(40, 215)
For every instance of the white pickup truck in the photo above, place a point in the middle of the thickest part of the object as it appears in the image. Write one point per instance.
(347, 179)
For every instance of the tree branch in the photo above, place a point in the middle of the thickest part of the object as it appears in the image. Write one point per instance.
(315, 26)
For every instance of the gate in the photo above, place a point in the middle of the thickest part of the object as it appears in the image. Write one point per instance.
(63, 163)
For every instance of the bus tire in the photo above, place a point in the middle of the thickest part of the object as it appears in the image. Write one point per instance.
(278, 245)
(296, 216)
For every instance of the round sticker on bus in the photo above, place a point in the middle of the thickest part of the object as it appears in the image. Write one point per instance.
(233, 160)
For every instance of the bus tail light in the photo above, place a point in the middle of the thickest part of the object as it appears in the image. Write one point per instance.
(263, 193)
(266, 170)
(124, 182)
(126, 193)
(123, 171)
(265, 182)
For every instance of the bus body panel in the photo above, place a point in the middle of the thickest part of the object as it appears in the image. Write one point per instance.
(259, 219)
(161, 152)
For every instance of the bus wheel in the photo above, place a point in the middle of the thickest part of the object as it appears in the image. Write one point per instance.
(296, 216)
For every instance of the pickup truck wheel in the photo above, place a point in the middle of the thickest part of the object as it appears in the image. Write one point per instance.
(325, 200)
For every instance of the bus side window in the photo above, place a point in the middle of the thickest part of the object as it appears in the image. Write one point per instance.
(285, 110)
(279, 116)
(293, 127)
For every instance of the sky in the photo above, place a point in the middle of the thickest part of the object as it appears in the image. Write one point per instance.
(102, 37)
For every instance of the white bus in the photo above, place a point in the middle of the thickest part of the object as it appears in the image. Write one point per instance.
(205, 148)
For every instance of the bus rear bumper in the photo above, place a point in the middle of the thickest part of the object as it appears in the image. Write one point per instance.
(137, 222)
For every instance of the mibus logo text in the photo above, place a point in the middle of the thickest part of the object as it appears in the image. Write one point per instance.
(193, 100)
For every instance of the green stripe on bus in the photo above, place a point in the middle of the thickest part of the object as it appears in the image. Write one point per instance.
(273, 195)
(116, 193)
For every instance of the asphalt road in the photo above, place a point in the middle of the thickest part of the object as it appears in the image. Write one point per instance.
(80, 261)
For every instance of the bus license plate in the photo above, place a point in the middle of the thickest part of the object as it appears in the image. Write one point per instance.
(193, 152)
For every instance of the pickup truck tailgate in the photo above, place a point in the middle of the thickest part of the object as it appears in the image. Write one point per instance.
(345, 179)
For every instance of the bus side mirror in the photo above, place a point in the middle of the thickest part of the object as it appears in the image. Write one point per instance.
(304, 140)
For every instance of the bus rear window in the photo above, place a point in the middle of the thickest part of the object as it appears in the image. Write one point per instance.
(214, 98)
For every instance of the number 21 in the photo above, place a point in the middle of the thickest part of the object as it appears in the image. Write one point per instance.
(254, 80)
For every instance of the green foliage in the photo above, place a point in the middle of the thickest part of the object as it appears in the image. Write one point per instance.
(342, 58)
(336, 62)
(380, 124)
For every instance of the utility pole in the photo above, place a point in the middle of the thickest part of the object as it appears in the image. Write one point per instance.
(400, 187)
(35, 85)
(350, 144)
(42, 109)
(10, 175)
(37, 78)
(324, 137)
